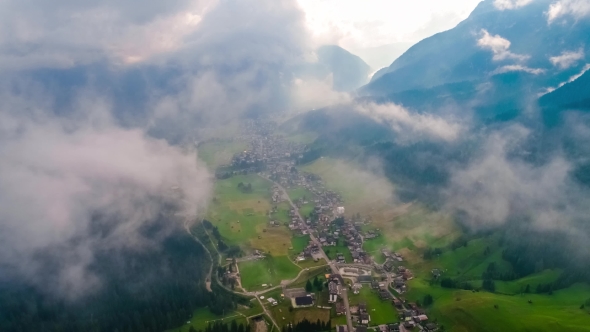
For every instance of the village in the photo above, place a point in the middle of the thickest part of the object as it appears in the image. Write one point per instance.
(274, 158)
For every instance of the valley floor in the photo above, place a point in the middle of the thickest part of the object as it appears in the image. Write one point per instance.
(242, 220)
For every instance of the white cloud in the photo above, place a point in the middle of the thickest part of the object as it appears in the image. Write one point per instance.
(307, 94)
(571, 79)
(60, 176)
(499, 46)
(510, 68)
(495, 186)
(67, 33)
(575, 8)
(511, 4)
(363, 26)
(411, 126)
(567, 58)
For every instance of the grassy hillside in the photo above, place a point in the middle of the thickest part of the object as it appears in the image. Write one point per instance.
(508, 309)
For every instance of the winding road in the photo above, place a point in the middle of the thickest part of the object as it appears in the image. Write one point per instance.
(332, 265)
(283, 283)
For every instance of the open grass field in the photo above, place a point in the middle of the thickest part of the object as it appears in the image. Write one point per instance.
(518, 286)
(309, 274)
(270, 270)
(219, 152)
(465, 263)
(299, 243)
(310, 263)
(382, 312)
(300, 192)
(306, 209)
(242, 217)
(461, 311)
(275, 241)
(282, 214)
(202, 317)
(332, 252)
(283, 316)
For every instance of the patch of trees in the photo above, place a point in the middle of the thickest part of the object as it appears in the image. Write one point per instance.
(307, 326)
(432, 253)
(234, 251)
(530, 251)
(244, 165)
(316, 284)
(492, 272)
(451, 283)
(245, 188)
(223, 175)
(462, 241)
(489, 285)
(427, 300)
(308, 286)
(149, 290)
(339, 221)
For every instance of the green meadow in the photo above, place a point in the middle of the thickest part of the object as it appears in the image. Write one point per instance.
(299, 192)
(242, 218)
(508, 309)
(460, 310)
(382, 312)
(299, 243)
(270, 270)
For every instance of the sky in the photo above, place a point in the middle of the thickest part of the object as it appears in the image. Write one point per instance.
(372, 28)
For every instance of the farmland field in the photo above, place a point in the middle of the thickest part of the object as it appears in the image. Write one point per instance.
(270, 270)
(468, 310)
(332, 252)
(242, 217)
(298, 193)
(382, 312)
(299, 243)
(475, 311)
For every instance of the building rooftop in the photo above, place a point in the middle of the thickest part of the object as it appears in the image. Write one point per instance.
(303, 300)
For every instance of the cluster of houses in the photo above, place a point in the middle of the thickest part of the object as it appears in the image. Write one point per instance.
(266, 148)
(360, 314)
(276, 158)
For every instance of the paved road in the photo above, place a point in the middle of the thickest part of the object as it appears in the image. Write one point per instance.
(268, 314)
(332, 265)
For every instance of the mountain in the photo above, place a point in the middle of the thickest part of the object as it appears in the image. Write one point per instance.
(488, 42)
(575, 94)
(348, 71)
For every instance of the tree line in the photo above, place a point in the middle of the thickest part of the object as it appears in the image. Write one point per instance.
(151, 290)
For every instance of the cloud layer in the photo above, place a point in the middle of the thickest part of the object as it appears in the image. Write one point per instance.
(497, 186)
(499, 46)
(567, 58)
(575, 8)
(412, 126)
(71, 187)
